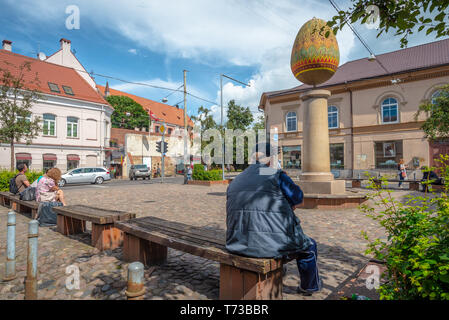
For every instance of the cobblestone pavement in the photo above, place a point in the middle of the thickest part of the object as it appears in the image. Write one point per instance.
(103, 275)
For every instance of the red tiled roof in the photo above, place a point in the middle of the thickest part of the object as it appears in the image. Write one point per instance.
(164, 112)
(50, 72)
(424, 56)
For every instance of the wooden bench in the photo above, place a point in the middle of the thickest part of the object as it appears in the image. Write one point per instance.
(13, 201)
(146, 240)
(72, 220)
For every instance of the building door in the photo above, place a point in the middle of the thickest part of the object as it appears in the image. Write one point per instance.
(91, 161)
(436, 149)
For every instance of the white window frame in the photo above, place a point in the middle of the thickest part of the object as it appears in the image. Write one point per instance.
(287, 117)
(389, 105)
(49, 122)
(338, 116)
(434, 95)
(71, 123)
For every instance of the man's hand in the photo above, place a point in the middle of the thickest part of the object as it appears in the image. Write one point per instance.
(298, 206)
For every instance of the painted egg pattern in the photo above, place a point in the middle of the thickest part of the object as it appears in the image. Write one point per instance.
(315, 58)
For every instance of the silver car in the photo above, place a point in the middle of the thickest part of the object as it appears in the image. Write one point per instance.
(85, 175)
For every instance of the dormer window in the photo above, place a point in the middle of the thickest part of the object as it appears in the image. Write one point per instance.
(68, 90)
(54, 87)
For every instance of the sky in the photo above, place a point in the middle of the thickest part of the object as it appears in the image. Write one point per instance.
(153, 41)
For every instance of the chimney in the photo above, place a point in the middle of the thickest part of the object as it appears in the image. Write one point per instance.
(65, 45)
(106, 90)
(7, 45)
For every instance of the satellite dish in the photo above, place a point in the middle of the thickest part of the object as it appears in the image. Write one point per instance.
(164, 100)
(42, 56)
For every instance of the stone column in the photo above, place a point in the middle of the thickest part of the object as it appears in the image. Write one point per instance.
(316, 177)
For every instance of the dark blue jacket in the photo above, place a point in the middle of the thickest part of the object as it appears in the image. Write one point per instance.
(259, 218)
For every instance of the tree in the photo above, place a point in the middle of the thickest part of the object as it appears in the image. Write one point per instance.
(16, 102)
(137, 116)
(401, 15)
(206, 121)
(437, 124)
(259, 124)
(238, 117)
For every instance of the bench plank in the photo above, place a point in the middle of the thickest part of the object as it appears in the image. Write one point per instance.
(94, 215)
(193, 240)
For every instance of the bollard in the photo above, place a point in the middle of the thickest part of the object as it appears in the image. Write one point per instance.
(10, 266)
(414, 176)
(135, 288)
(31, 277)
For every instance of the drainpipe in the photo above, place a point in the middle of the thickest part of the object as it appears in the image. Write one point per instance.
(352, 132)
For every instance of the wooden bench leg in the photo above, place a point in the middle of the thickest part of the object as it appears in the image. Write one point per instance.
(34, 214)
(106, 237)
(69, 225)
(15, 206)
(414, 186)
(240, 284)
(149, 253)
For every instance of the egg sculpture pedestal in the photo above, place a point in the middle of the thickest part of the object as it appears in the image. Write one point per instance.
(315, 59)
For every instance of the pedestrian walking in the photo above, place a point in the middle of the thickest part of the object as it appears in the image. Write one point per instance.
(402, 168)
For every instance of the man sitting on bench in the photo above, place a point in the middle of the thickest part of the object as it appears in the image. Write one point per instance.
(429, 177)
(261, 222)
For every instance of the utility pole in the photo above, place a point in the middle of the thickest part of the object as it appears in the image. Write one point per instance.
(185, 128)
(221, 103)
(163, 153)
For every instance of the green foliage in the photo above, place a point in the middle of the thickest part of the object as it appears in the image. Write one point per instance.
(205, 121)
(259, 124)
(416, 251)
(6, 175)
(16, 103)
(437, 124)
(403, 16)
(200, 174)
(138, 118)
(238, 117)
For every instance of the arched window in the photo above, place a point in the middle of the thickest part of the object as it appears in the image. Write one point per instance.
(390, 111)
(435, 95)
(291, 121)
(49, 128)
(72, 127)
(332, 116)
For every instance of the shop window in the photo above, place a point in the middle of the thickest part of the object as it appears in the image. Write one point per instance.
(388, 154)
(291, 156)
(337, 154)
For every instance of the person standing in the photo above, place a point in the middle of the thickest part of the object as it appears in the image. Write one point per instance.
(402, 172)
(158, 171)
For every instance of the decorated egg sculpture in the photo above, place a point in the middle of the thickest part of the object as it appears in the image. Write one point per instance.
(315, 58)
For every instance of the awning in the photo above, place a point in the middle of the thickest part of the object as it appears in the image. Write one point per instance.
(73, 157)
(23, 156)
(49, 157)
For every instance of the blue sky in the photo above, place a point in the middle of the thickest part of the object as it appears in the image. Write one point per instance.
(153, 41)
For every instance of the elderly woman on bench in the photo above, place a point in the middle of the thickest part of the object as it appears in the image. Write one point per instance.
(49, 195)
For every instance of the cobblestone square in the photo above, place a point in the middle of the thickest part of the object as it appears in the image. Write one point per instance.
(103, 275)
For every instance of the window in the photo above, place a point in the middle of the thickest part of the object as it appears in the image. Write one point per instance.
(73, 161)
(77, 171)
(27, 118)
(49, 128)
(100, 170)
(88, 170)
(390, 111)
(291, 121)
(332, 116)
(156, 129)
(337, 153)
(72, 127)
(435, 95)
(291, 156)
(170, 130)
(24, 158)
(388, 154)
(68, 90)
(49, 161)
(53, 87)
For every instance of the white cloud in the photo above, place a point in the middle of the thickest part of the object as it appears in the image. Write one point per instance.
(132, 51)
(255, 33)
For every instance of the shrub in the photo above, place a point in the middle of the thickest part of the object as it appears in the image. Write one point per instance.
(416, 251)
(212, 175)
(6, 175)
(198, 168)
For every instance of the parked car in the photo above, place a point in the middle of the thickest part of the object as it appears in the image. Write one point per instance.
(85, 175)
(139, 171)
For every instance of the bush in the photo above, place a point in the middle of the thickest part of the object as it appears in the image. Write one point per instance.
(6, 175)
(212, 175)
(416, 251)
(198, 168)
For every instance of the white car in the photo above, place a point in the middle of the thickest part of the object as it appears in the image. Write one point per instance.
(85, 175)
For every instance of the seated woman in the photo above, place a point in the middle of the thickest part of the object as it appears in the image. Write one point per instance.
(49, 195)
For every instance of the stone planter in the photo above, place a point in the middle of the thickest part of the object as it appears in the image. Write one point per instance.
(208, 183)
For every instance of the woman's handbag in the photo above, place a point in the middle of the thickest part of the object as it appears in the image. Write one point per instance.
(29, 194)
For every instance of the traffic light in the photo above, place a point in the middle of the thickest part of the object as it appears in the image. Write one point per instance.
(165, 148)
(158, 146)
